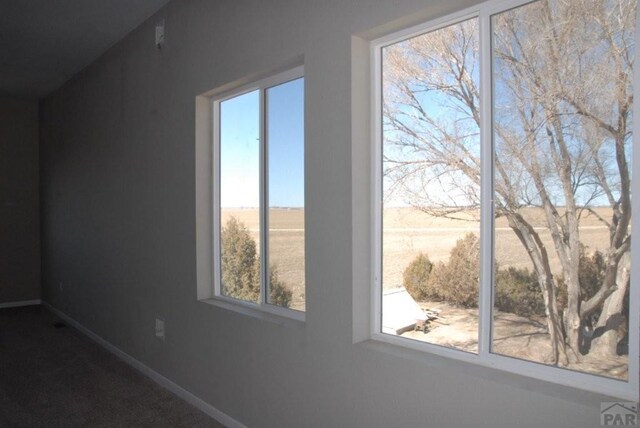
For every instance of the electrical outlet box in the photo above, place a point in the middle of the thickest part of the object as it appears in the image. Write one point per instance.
(160, 328)
(160, 34)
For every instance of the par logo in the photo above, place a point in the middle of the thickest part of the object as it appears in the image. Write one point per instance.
(618, 414)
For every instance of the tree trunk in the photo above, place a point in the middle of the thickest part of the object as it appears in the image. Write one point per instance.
(606, 334)
(572, 320)
(554, 323)
(538, 256)
(572, 330)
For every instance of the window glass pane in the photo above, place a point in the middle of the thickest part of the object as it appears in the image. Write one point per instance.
(431, 187)
(562, 136)
(285, 140)
(240, 196)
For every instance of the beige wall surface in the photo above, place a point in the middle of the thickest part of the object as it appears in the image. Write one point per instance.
(119, 227)
(19, 215)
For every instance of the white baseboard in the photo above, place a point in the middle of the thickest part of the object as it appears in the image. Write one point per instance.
(21, 303)
(187, 396)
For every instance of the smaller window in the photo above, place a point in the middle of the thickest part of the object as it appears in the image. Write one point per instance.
(258, 186)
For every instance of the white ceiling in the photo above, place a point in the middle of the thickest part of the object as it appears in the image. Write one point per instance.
(43, 43)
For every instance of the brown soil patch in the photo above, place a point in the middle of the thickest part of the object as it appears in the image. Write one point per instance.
(513, 336)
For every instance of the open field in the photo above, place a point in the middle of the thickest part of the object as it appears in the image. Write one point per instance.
(409, 232)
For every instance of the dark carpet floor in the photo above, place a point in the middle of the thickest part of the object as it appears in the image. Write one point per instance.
(56, 377)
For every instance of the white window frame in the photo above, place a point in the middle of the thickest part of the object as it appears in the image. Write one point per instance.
(629, 389)
(262, 86)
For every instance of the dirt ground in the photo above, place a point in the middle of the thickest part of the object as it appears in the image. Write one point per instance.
(514, 336)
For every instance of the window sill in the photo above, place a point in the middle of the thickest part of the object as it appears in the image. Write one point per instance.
(512, 372)
(267, 313)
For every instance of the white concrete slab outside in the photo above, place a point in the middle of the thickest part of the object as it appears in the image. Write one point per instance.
(399, 311)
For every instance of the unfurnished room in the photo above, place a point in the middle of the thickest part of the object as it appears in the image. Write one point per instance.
(296, 213)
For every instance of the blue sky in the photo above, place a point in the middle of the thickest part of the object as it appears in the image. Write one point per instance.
(239, 147)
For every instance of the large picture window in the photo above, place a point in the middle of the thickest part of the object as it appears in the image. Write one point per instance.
(504, 180)
(259, 195)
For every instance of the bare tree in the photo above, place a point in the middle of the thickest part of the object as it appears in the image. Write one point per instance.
(562, 134)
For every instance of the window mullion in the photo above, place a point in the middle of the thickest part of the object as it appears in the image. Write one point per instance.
(264, 201)
(486, 188)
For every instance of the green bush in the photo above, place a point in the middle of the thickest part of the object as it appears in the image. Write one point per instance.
(416, 276)
(279, 293)
(240, 267)
(456, 282)
(518, 292)
(240, 264)
(436, 284)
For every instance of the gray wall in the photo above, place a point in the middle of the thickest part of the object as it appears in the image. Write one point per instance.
(19, 216)
(119, 235)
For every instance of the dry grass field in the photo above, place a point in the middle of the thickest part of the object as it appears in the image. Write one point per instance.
(409, 232)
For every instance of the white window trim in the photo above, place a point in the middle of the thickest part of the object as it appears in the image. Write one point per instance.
(210, 291)
(628, 390)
